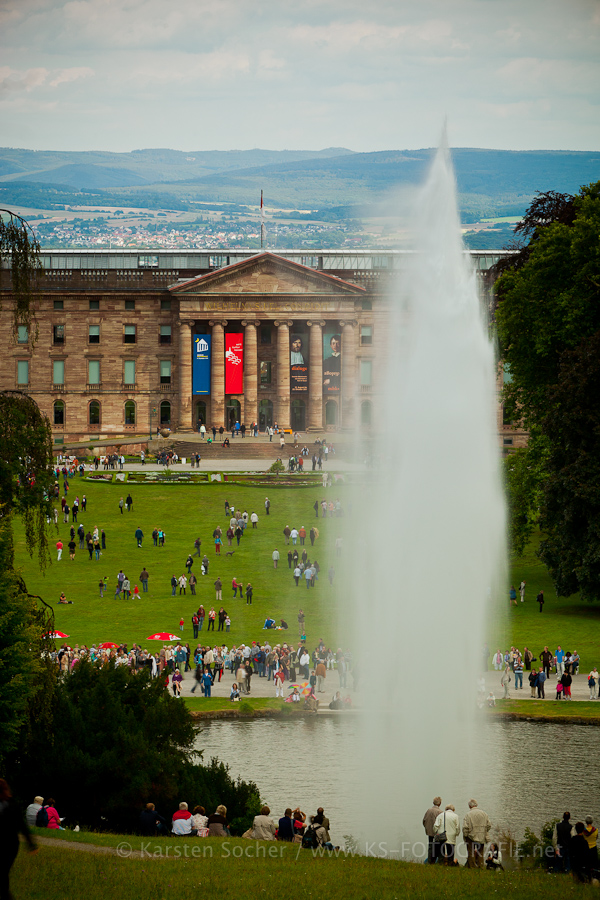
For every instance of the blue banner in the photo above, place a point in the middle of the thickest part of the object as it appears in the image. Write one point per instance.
(201, 364)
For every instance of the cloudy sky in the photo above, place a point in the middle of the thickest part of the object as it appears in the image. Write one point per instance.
(299, 74)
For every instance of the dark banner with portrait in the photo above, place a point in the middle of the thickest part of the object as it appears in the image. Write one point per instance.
(332, 361)
(299, 363)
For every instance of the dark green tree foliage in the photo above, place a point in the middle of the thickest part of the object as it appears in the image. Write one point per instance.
(118, 740)
(570, 508)
(25, 680)
(548, 315)
(525, 471)
(26, 477)
(20, 248)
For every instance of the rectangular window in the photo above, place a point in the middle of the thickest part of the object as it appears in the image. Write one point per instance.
(367, 304)
(165, 371)
(129, 334)
(147, 262)
(94, 371)
(94, 304)
(265, 372)
(58, 334)
(130, 304)
(22, 334)
(165, 334)
(165, 304)
(94, 334)
(265, 334)
(59, 304)
(129, 371)
(58, 371)
(23, 371)
(366, 335)
(365, 371)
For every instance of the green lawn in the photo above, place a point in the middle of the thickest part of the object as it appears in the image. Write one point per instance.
(229, 869)
(573, 624)
(186, 512)
(547, 709)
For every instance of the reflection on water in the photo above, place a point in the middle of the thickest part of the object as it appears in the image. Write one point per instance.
(311, 762)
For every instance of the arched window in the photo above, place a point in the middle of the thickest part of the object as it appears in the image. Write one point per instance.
(129, 412)
(265, 414)
(365, 412)
(331, 412)
(94, 412)
(165, 413)
(59, 412)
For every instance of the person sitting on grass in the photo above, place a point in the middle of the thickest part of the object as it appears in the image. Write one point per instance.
(63, 599)
(493, 858)
(200, 822)
(151, 822)
(217, 823)
(182, 820)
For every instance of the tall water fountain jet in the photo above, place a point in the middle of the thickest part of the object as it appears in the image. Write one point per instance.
(430, 539)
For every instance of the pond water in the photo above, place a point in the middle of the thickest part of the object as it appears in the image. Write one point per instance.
(543, 769)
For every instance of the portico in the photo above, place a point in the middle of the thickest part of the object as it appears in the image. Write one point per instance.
(267, 367)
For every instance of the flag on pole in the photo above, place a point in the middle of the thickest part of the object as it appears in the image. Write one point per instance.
(263, 230)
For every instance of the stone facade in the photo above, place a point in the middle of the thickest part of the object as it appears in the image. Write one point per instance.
(113, 355)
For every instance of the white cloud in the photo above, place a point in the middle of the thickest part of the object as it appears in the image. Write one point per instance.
(65, 76)
(12, 81)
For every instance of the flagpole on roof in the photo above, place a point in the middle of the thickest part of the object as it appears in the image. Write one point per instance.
(262, 221)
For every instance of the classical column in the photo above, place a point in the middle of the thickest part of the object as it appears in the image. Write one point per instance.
(283, 374)
(185, 376)
(250, 412)
(315, 376)
(349, 381)
(217, 374)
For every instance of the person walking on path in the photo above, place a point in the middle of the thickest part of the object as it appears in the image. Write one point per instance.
(275, 557)
(476, 830)
(144, 576)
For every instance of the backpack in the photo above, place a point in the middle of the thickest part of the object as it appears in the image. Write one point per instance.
(309, 839)
(41, 819)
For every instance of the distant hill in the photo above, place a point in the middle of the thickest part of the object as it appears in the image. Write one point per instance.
(490, 182)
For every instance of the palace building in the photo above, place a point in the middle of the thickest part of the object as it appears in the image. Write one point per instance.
(131, 341)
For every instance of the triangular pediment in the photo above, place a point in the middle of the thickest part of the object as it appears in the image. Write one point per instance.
(263, 274)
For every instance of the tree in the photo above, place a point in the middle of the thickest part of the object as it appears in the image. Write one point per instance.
(20, 248)
(548, 319)
(118, 740)
(25, 485)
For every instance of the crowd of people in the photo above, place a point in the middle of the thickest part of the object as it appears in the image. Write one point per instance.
(537, 670)
(574, 847)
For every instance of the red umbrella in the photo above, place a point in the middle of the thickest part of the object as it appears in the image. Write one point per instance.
(56, 634)
(162, 636)
(107, 645)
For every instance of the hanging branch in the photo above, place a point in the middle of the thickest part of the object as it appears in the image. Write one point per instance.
(21, 250)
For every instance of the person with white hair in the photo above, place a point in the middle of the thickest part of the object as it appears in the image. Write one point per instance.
(446, 830)
(182, 820)
(476, 830)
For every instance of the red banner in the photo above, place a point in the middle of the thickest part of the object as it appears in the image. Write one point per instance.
(234, 363)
